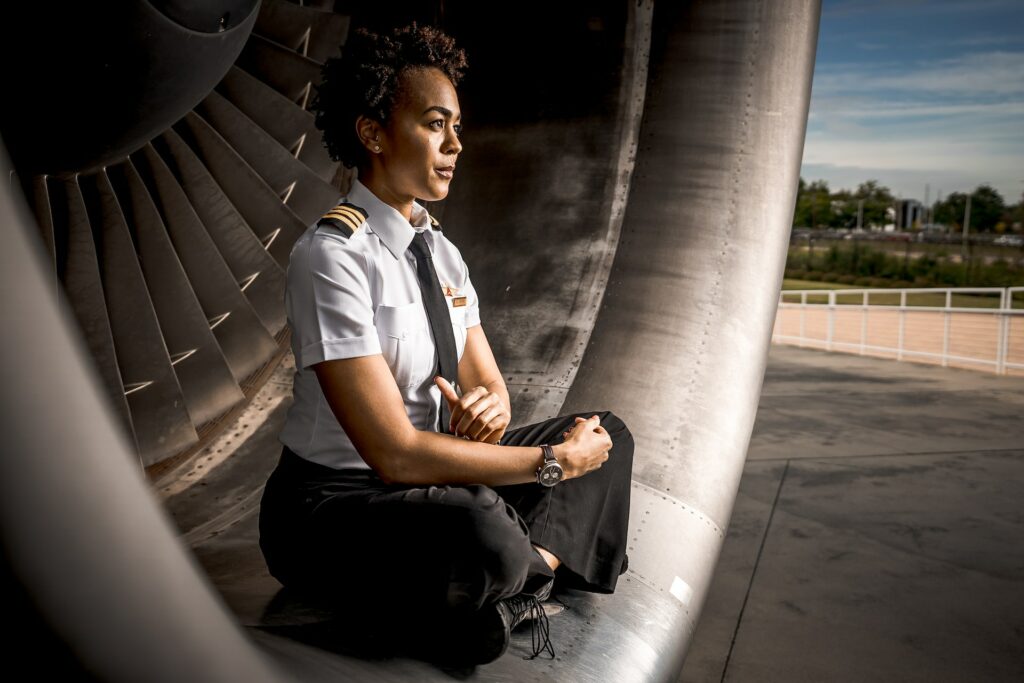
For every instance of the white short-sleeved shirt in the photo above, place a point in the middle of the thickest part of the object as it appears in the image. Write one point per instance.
(357, 296)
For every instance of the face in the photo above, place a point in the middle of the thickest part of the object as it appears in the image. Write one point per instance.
(420, 143)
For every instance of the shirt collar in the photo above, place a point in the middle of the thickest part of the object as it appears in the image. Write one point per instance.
(394, 231)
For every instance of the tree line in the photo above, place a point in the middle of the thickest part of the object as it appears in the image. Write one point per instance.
(819, 207)
(854, 263)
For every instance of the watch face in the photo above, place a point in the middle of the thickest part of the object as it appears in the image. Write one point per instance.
(551, 474)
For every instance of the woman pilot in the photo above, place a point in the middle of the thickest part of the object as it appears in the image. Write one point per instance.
(395, 495)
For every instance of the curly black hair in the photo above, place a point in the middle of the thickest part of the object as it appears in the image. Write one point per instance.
(366, 80)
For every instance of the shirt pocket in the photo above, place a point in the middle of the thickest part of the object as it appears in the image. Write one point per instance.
(402, 331)
(458, 314)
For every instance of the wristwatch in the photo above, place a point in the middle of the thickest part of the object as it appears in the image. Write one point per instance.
(551, 472)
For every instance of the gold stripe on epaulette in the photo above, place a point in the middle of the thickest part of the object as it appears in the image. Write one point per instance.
(346, 217)
(358, 216)
(350, 217)
(358, 209)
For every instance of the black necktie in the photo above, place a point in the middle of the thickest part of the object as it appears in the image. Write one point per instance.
(440, 320)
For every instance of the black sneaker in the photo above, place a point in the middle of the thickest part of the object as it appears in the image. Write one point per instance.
(462, 638)
(481, 637)
(526, 606)
(543, 592)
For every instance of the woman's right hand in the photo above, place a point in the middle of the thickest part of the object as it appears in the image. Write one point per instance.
(585, 449)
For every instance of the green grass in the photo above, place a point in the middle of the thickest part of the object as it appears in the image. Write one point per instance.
(814, 284)
(933, 299)
(900, 248)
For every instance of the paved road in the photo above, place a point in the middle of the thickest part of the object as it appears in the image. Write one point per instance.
(879, 530)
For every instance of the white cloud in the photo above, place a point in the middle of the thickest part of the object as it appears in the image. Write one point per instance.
(909, 183)
(960, 119)
(917, 153)
(979, 40)
(873, 109)
(992, 74)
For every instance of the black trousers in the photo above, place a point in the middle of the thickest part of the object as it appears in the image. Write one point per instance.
(348, 536)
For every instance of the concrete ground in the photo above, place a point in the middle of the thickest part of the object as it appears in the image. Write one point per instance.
(878, 534)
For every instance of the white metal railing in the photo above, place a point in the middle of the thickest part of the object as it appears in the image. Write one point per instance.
(972, 327)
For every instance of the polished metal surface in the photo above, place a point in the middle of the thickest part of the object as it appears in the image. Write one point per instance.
(191, 194)
(242, 337)
(206, 381)
(646, 269)
(290, 125)
(301, 189)
(125, 73)
(82, 291)
(84, 541)
(286, 71)
(168, 241)
(623, 204)
(681, 342)
(159, 415)
(40, 195)
(169, 235)
(537, 206)
(311, 32)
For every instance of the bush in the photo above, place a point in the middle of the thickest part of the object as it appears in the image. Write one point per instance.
(797, 259)
(846, 279)
(871, 266)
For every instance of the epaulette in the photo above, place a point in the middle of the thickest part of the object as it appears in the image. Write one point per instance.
(345, 217)
(433, 222)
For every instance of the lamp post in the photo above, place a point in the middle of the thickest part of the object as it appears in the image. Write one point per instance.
(966, 228)
(965, 244)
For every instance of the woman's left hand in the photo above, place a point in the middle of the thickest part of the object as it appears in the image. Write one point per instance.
(479, 414)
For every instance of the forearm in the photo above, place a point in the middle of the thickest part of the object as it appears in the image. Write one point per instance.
(477, 366)
(498, 387)
(481, 413)
(434, 458)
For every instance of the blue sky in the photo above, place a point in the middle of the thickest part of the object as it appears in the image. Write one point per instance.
(911, 92)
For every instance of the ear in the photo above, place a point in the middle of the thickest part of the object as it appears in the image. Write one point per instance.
(369, 132)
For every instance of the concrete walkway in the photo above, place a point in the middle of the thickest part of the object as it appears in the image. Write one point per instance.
(879, 530)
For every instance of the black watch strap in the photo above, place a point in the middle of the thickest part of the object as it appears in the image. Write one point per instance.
(550, 471)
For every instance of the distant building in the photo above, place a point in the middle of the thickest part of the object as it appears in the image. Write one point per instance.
(909, 214)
